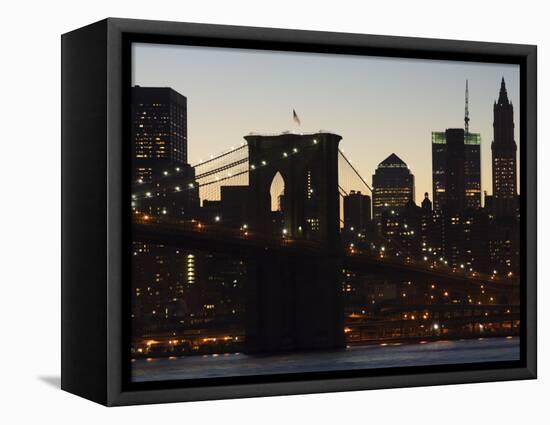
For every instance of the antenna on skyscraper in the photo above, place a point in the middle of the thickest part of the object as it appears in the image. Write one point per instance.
(466, 112)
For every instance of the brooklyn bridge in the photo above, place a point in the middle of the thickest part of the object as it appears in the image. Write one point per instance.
(302, 262)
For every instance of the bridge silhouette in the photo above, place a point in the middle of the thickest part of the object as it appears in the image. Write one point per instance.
(295, 265)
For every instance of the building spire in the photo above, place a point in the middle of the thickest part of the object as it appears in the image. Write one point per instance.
(503, 95)
(466, 112)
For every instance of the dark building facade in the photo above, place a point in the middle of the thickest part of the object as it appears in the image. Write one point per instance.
(159, 131)
(357, 211)
(504, 240)
(159, 151)
(453, 231)
(162, 276)
(504, 152)
(400, 231)
(456, 169)
(229, 210)
(392, 186)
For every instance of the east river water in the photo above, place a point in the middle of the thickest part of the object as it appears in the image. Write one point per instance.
(363, 357)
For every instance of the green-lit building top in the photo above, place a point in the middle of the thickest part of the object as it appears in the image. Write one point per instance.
(438, 137)
(471, 169)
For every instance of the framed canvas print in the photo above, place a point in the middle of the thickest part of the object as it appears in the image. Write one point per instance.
(251, 212)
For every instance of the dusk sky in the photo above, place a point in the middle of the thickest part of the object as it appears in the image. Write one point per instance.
(378, 105)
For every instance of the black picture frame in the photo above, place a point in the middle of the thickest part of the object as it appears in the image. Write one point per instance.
(96, 225)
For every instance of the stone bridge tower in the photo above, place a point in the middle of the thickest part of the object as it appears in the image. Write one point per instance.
(294, 298)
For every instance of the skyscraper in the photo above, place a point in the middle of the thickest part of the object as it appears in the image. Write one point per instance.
(504, 150)
(357, 211)
(504, 241)
(467, 147)
(392, 185)
(159, 131)
(456, 166)
(159, 150)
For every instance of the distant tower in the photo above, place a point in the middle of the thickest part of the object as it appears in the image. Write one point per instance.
(504, 150)
(392, 186)
(466, 112)
(426, 203)
(159, 131)
(456, 165)
(357, 211)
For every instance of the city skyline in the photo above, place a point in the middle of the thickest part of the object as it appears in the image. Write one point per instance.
(274, 244)
(368, 123)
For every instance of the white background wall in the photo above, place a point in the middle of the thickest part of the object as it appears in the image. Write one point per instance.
(30, 211)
